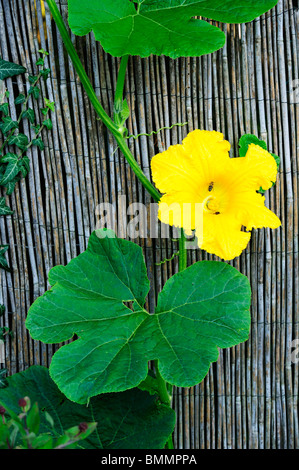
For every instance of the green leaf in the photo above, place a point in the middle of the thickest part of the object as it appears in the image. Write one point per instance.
(4, 108)
(33, 419)
(248, 139)
(9, 69)
(125, 112)
(277, 159)
(20, 99)
(3, 260)
(45, 73)
(36, 128)
(7, 124)
(165, 27)
(20, 140)
(48, 124)
(10, 186)
(39, 143)
(40, 61)
(204, 307)
(4, 210)
(44, 441)
(50, 104)
(2, 310)
(4, 436)
(127, 420)
(29, 114)
(11, 171)
(34, 91)
(32, 79)
(25, 163)
(42, 51)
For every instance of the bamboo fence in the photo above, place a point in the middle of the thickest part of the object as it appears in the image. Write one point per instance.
(249, 398)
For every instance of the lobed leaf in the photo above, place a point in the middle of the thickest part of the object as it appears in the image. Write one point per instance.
(127, 420)
(200, 309)
(160, 27)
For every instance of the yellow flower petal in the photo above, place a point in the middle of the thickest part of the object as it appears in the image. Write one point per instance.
(257, 169)
(222, 236)
(209, 152)
(174, 169)
(251, 211)
(180, 209)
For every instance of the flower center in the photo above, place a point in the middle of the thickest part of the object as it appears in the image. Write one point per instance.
(211, 205)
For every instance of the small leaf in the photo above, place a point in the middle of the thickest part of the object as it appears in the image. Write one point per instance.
(2, 310)
(49, 419)
(43, 441)
(11, 171)
(48, 124)
(4, 108)
(45, 73)
(9, 158)
(3, 260)
(50, 104)
(244, 143)
(8, 124)
(34, 91)
(125, 112)
(4, 210)
(33, 419)
(39, 143)
(277, 159)
(40, 61)
(42, 51)
(29, 114)
(36, 128)
(10, 187)
(20, 99)
(20, 140)
(9, 69)
(248, 139)
(25, 162)
(32, 79)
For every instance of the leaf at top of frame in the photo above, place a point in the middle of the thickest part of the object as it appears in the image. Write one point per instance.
(165, 27)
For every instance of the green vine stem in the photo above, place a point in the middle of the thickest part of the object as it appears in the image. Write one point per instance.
(109, 123)
(119, 91)
(182, 252)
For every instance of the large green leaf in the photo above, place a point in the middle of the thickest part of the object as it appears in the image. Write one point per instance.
(201, 309)
(160, 27)
(9, 69)
(204, 307)
(126, 420)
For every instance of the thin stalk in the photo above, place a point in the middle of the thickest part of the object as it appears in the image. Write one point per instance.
(182, 252)
(119, 91)
(165, 397)
(112, 126)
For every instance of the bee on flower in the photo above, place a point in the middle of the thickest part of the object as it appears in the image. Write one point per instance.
(200, 173)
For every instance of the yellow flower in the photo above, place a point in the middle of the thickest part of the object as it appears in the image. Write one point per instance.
(207, 191)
